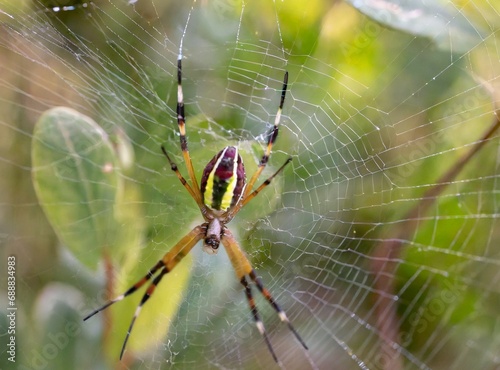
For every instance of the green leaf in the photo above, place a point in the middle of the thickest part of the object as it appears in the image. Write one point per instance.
(77, 181)
(97, 215)
(446, 26)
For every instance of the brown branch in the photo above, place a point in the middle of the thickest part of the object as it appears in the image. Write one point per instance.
(387, 251)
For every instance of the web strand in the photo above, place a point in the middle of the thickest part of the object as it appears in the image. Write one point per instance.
(382, 101)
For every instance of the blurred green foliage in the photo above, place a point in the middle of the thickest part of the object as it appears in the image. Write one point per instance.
(373, 117)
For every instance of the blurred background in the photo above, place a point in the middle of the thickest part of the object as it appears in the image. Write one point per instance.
(379, 240)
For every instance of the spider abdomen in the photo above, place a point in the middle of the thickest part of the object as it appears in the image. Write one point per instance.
(223, 179)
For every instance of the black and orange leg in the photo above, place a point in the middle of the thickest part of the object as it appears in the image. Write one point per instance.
(165, 265)
(131, 290)
(243, 268)
(272, 302)
(256, 317)
(272, 138)
(233, 211)
(181, 121)
(191, 191)
(145, 297)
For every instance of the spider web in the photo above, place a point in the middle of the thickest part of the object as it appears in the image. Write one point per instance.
(380, 240)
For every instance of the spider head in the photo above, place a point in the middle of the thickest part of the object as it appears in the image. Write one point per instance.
(212, 236)
(211, 244)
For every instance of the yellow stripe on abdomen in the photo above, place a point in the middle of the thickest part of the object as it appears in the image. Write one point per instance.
(219, 192)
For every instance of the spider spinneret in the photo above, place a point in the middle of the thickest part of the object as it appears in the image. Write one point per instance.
(223, 192)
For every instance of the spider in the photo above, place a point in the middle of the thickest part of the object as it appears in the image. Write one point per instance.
(223, 192)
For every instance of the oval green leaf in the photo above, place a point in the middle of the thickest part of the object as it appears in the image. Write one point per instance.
(445, 25)
(77, 181)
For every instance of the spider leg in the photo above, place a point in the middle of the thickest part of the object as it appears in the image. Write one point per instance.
(270, 142)
(264, 184)
(165, 265)
(256, 317)
(243, 268)
(233, 211)
(131, 290)
(276, 307)
(181, 121)
(145, 297)
(190, 190)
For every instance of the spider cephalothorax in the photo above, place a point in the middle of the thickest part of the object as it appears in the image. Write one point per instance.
(223, 192)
